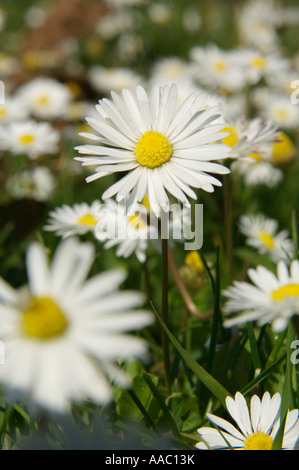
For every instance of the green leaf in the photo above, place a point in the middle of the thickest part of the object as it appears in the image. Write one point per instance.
(207, 379)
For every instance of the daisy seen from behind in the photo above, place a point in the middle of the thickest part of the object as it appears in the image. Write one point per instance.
(269, 299)
(77, 219)
(164, 146)
(258, 425)
(262, 234)
(63, 334)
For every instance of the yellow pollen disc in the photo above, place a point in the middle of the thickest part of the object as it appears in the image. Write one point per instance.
(43, 319)
(153, 149)
(27, 139)
(43, 99)
(258, 441)
(259, 62)
(219, 65)
(2, 111)
(193, 259)
(267, 239)
(136, 221)
(289, 290)
(281, 113)
(283, 150)
(257, 156)
(87, 219)
(231, 139)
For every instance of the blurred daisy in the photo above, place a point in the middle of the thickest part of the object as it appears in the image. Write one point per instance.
(11, 110)
(37, 183)
(73, 220)
(216, 68)
(164, 147)
(45, 98)
(258, 425)
(128, 233)
(63, 334)
(30, 138)
(271, 299)
(105, 79)
(280, 110)
(257, 65)
(257, 168)
(262, 234)
(246, 136)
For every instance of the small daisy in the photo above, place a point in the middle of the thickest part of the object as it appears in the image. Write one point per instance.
(164, 146)
(104, 79)
(258, 425)
(271, 299)
(247, 136)
(128, 233)
(216, 69)
(73, 220)
(45, 98)
(30, 138)
(37, 183)
(262, 234)
(11, 110)
(281, 111)
(63, 334)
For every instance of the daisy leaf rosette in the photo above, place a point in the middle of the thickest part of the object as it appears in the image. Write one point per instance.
(164, 146)
(63, 334)
(257, 424)
(270, 299)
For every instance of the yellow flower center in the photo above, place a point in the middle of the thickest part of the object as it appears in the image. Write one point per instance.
(43, 99)
(259, 62)
(153, 149)
(257, 156)
(2, 111)
(43, 319)
(258, 441)
(289, 290)
(136, 221)
(281, 113)
(194, 261)
(231, 139)
(219, 65)
(27, 139)
(267, 239)
(88, 219)
(284, 150)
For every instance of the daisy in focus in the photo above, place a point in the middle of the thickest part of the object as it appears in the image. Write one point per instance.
(164, 146)
(73, 220)
(30, 138)
(262, 234)
(271, 299)
(257, 426)
(63, 333)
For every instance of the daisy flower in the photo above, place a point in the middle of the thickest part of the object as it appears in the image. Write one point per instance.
(271, 299)
(63, 333)
(262, 234)
(73, 220)
(258, 425)
(280, 110)
(248, 135)
(29, 137)
(37, 183)
(11, 110)
(45, 98)
(128, 231)
(104, 79)
(216, 68)
(163, 146)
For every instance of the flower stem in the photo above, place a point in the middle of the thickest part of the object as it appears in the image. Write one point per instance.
(164, 337)
(228, 200)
